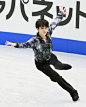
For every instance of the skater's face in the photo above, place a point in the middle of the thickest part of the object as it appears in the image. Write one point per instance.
(42, 30)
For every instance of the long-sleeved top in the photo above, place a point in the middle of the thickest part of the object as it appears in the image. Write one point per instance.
(42, 50)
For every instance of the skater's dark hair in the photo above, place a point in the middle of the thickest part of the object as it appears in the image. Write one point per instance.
(41, 22)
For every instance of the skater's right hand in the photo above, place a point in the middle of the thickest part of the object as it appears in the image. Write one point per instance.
(10, 43)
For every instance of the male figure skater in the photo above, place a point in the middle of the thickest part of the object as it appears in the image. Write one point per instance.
(42, 47)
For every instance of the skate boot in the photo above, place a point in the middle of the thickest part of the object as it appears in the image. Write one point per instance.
(66, 66)
(74, 95)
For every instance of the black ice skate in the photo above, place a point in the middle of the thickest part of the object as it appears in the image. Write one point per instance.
(74, 95)
(66, 66)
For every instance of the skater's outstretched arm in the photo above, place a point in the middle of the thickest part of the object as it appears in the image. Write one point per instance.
(29, 43)
(56, 21)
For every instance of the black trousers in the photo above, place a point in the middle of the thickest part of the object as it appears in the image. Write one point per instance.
(53, 75)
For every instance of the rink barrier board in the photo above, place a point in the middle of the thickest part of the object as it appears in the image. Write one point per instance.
(59, 44)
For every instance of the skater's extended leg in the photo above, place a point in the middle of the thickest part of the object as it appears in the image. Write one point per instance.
(59, 65)
(55, 77)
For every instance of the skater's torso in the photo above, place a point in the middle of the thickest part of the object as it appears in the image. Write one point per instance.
(42, 48)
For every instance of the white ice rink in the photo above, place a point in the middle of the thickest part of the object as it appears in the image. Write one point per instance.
(22, 85)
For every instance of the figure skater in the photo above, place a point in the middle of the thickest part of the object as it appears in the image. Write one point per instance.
(41, 44)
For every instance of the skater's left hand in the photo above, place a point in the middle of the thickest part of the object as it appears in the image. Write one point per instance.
(62, 10)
